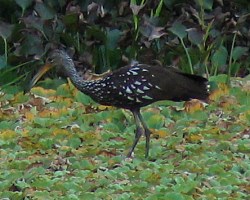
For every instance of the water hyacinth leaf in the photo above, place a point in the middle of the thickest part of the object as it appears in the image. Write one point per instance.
(43, 122)
(32, 45)
(9, 91)
(206, 4)
(179, 30)
(34, 22)
(42, 182)
(50, 84)
(23, 3)
(7, 135)
(66, 90)
(238, 52)
(219, 57)
(22, 184)
(74, 142)
(83, 98)
(147, 174)
(174, 196)
(186, 186)
(155, 121)
(195, 36)
(113, 37)
(214, 80)
(44, 11)
(5, 30)
(20, 98)
(235, 67)
(71, 20)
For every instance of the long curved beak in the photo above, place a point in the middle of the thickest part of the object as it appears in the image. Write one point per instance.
(39, 74)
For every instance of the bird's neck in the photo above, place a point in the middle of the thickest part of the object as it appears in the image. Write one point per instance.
(75, 78)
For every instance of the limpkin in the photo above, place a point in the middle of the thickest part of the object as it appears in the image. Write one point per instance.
(132, 87)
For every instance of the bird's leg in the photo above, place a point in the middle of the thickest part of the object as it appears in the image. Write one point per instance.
(147, 133)
(138, 132)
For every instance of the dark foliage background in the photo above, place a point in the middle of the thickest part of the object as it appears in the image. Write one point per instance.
(203, 36)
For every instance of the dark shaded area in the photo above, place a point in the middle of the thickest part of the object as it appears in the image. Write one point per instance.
(106, 35)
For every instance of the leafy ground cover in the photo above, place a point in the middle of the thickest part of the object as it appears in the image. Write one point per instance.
(59, 144)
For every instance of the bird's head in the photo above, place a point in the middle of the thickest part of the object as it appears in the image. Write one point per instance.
(56, 58)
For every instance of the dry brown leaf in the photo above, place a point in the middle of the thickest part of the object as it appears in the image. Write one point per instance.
(194, 105)
(222, 90)
(160, 133)
(227, 101)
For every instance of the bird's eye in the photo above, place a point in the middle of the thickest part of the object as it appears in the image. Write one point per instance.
(50, 60)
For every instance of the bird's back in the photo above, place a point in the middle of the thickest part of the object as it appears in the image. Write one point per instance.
(138, 85)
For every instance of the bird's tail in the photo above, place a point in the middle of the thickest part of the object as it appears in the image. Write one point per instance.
(195, 87)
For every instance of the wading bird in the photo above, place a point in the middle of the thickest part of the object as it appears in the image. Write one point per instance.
(131, 87)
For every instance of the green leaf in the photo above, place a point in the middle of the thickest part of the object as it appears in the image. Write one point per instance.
(44, 11)
(46, 143)
(244, 145)
(42, 182)
(155, 121)
(174, 196)
(43, 194)
(43, 122)
(23, 3)
(219, 58)
(206, 4)
(179, 30)
(5, 30)
(32, 44)
(51, 83)
(71, 20)
(145, 174)
(5, 125)
(235, 67)
(221, 78)
(86, 165)
(88, 196)
(113, 37)
(209, 4)
(22, 184)
(195, 36)
(238, 52)
(83, 98)
(74, 142)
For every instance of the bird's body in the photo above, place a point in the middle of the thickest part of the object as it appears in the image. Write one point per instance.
(134, 86)
(138, 85)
